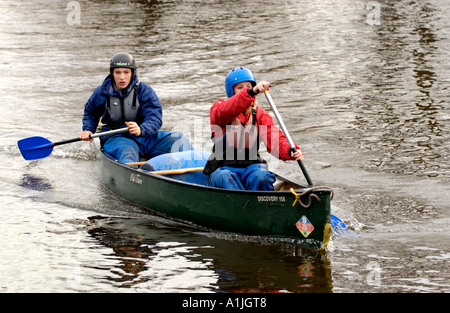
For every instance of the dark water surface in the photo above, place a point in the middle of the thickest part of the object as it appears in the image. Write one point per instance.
(363, 87)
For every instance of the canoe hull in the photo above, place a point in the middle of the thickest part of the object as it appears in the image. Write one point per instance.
(257, 213)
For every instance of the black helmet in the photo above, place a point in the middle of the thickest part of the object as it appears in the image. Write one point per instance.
(121, 60)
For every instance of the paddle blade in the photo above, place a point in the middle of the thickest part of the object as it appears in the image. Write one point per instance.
(34, 148)
(337, 224)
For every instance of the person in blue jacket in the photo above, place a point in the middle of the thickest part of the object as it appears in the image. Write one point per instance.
(123, 101)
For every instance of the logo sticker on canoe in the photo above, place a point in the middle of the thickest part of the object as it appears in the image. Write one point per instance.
(136, 178)
(304, 226)
(271, 199)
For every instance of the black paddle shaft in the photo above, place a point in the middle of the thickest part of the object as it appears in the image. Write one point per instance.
(66, 141)
(107, 133)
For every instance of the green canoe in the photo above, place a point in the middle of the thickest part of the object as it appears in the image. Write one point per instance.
(293, 213)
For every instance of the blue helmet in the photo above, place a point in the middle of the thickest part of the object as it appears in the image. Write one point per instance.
(237, 75)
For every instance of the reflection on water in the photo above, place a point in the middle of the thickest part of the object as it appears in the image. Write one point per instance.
(35, 183)
(166, 259)
(155, 258)
(131, 249)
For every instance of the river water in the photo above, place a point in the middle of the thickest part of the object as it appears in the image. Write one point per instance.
(363, 87)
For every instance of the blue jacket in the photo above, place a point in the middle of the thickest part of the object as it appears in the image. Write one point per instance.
(149, 116)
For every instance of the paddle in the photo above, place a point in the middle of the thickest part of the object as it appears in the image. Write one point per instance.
(34, 148)
(336, 223)
(286, 134)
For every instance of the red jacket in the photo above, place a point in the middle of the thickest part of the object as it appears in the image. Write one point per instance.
(224, 112)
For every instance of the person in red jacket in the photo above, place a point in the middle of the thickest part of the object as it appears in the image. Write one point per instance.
(238, 126)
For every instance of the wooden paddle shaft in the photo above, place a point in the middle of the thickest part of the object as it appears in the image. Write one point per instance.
(178, 171)
(169, 172)
(135, 163)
